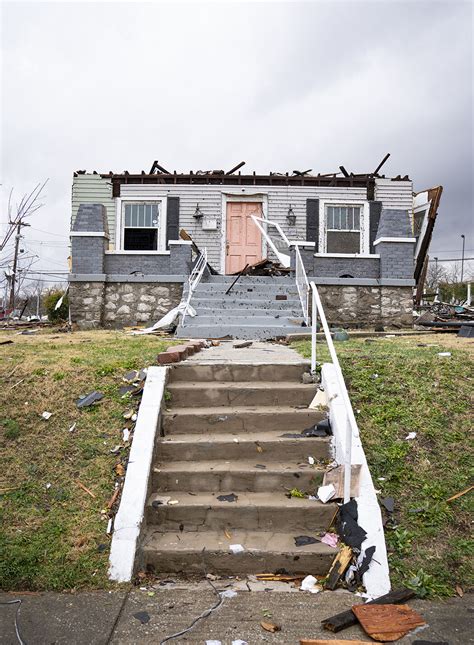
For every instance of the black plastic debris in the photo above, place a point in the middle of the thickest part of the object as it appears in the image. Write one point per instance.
(366, 560)
(349, 531)
(321, 429)
(125, 389)
(466, 331)
(130, 376)
(389, 504)
(89, 399)
(101, 548)
(142, 616)
(261, 466)
(304, 540)
(228, 498)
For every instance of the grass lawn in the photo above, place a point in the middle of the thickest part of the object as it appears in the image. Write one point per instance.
(53, 533)
(430, 545)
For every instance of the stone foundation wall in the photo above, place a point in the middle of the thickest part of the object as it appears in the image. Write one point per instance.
(119, 304)
(361, 306)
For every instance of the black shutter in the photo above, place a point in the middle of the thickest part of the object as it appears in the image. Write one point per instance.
(312, 222)
(375, 210)
(172, 220)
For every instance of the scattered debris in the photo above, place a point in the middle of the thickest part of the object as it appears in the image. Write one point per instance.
(228, 593)
(463, 492)
(410, 436)
(160, 501)
(126, 389)
(278, 577)
(120, 470)
(387, 622)
(304, 540)
(307, 378)
(296, 492)
(113, 499)
(261, 466)
(321, 429)
(320, 401)
(236, 548)
(73, 427)
(340, 336)
(389, 504)
(89, 399)
(331, 539)
(311, 461)
(142, 616)
(339, 567)
(84, 488)
(232, 497)
(242, 344)
(47, 415)
(310, 584)
(347, 619)
(335, 476)
(5, 342)
(128, 414)
(258, 446)
(349, 531)
(444, 354)
(270, 627)
(126, 434)
(325, 493)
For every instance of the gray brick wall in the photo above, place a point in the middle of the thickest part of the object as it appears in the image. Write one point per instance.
(396, 259)
(122, 264)
(332, 267)
(87, 254)
(394, 223)
(92, 218)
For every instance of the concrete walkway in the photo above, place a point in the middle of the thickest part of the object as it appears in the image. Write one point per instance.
(119, 617)
(258, 353)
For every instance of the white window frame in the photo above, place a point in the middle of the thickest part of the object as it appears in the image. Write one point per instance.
(120, 223)
(364, 223)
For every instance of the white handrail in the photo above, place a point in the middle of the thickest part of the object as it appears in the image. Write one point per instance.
(194, 279)
(351, 426)
(302, 284)
(283, 258)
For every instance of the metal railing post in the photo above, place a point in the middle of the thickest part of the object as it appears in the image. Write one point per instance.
(314, 316)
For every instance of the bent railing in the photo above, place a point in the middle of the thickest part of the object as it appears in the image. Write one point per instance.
(302, 284)
(283, 258)
(194, 279)
(351, 424)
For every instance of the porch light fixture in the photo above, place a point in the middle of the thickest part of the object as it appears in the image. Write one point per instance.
(291, 217)
(198, 214)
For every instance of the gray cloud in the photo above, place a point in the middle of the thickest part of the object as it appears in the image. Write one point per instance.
(112, 86)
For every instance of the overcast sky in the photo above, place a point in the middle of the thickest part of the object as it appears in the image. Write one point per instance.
(113, 86)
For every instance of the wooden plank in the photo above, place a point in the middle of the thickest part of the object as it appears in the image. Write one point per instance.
(346, 619)
(387, 622)
(338, 567)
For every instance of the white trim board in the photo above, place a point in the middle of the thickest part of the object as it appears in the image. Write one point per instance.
(129, 518)
(89, 234)
(347, 255)
(377, 578)
(408, 240)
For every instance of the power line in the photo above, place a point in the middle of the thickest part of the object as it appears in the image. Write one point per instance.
(49, 233)
(449, 259)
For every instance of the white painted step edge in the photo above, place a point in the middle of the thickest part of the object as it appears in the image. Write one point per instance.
(377, 578)
(129, 518)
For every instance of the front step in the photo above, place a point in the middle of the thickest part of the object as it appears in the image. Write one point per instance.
(202, 511)
(216, 394)
(208, 551)
(236, 372)
(241, 475)
(275, 419)
(267, 446)
(242, 331)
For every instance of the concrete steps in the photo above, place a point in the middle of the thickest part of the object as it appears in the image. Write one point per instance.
(256, 307)
(223, 433)
(244, 475)
(176, 552)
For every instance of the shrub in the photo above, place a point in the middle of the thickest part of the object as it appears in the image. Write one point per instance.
(50, 300)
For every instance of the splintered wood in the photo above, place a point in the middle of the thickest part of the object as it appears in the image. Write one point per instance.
(335, 476)
(387, 623)
(338, 567)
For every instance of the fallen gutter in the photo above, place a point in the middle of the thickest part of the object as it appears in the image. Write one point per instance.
(128, 524)
(377, 578)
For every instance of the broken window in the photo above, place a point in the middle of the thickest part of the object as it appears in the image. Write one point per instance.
(343, 229)
(141, 226)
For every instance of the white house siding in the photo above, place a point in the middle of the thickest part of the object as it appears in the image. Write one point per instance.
(395, 194)
(93, 189)
(210, 202)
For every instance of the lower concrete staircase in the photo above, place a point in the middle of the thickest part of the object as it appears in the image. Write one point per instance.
(256, 307)
(224, 434)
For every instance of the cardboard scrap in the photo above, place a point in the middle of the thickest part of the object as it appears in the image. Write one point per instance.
(270, 627)
(335, 476)
(387, 622)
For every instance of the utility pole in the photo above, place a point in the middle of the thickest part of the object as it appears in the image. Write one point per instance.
(15, 264)
(462, 257)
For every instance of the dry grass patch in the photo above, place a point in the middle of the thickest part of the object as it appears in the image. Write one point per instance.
(53, 533)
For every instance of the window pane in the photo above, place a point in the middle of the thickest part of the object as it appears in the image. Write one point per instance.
(127, 214)
(134, 214)
(330, 219)
(343, 242)
(344, 217)
(357, 219)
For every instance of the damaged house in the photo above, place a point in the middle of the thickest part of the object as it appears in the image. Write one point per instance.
(362, 238)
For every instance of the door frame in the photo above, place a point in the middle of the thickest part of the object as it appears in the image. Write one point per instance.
(261, 198)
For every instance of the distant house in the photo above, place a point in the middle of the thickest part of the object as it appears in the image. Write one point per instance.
(357, 236)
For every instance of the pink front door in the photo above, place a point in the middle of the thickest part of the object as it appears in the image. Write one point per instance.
(244, 239)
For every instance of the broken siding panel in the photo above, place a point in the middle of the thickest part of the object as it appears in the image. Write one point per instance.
(93, 189)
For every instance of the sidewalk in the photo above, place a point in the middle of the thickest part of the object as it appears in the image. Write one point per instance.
(99, 618)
